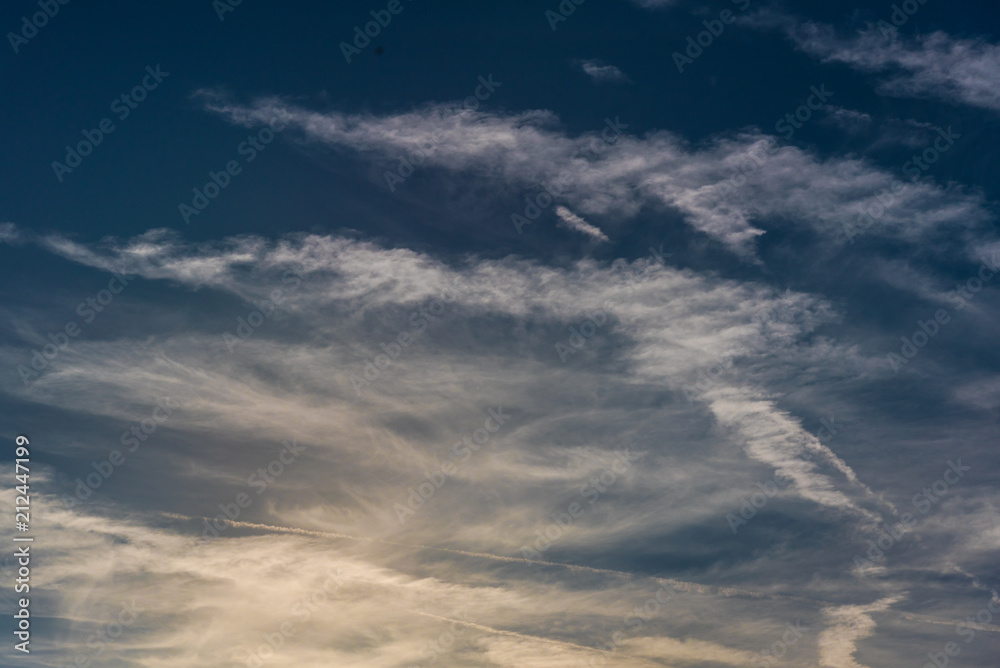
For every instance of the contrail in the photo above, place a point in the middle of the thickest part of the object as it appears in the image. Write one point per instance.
(930, 620)
(513, 634)
(680, 585)
(331, 534)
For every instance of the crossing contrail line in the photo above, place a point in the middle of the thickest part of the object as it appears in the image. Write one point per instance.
(680, 585)
(677, 584)
(513, 634)
(930, 620)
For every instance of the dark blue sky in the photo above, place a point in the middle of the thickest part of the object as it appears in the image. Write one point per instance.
(65, 79)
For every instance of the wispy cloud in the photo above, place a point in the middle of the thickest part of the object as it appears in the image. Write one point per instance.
(574, 222)
(850, 623)
(8, 232)
(655, 4)
(528, 149)
(938, 65)
(666, 346)
(556, 449)
(602, 73)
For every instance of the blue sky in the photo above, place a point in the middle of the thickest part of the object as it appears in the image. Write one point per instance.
(627, 333)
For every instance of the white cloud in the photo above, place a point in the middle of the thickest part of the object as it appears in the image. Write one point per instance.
(687, 651)
(574, 222)
(730, 188)
(776, 439)
(677, 324)
(602, 73)
(934, 65)
(851, 623)
(211, 603)
(493, 346)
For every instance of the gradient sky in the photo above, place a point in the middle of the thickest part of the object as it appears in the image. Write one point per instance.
(508, 337)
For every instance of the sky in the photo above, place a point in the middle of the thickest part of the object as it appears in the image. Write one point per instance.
(626, 333)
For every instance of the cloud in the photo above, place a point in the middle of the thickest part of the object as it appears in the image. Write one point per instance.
(331, 600)
(8, 232)
(492, 344)
(574, 222)
(687, 651)
(851, 623)
(852, 121)
(655, 4)
(677, 325)
(730, 188)
(322, 604)
(776, 439)
(508, 450)
(936, 65)
(602, 73)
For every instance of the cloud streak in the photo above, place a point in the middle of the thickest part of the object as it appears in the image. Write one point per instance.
(935, 65)
(774, 186)
(601, 73)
